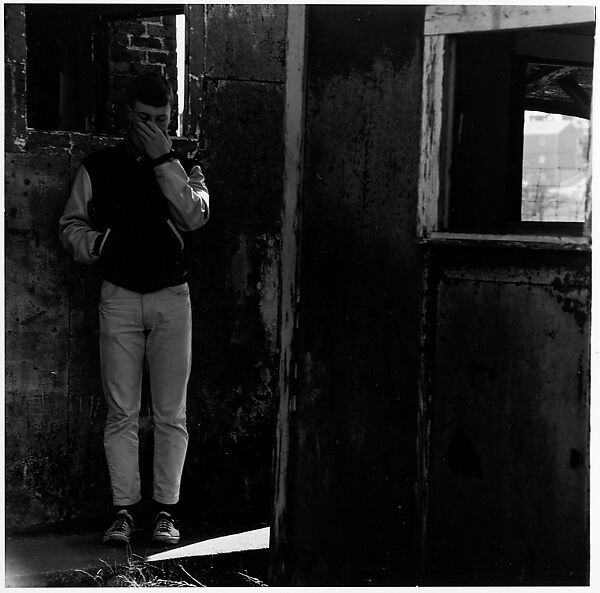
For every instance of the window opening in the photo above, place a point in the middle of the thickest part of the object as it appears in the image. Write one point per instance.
(555, 167)
(146, 43)
(81, 59)
(519, 155)
(61, 79)
(555, 142)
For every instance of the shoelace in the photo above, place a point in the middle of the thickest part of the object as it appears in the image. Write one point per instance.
(120, 525)
(164, 524)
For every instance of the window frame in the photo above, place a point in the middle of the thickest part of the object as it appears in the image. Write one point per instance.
(442, 24)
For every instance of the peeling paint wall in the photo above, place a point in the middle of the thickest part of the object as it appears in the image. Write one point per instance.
(55, 410)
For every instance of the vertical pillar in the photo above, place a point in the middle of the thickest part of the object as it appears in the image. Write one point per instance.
(289, 288)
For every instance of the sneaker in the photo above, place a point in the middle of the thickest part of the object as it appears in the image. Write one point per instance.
(165, 531)
(120, 530)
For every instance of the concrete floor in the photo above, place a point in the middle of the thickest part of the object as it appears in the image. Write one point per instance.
(64, 558)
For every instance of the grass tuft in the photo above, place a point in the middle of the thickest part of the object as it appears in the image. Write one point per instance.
(136, 572)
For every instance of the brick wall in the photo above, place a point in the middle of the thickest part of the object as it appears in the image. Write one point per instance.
(138, 46)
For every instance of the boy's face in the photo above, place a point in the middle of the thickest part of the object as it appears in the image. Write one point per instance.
(161, 116)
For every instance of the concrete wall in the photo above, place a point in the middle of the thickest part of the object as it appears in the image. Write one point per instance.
(55, 466)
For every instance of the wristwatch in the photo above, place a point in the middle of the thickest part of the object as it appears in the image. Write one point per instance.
(165, 158)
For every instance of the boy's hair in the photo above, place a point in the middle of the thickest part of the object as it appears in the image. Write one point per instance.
(151, 89)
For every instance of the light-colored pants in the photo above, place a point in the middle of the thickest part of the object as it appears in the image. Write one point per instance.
(158, 326)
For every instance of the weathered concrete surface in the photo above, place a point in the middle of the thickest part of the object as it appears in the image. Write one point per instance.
(245, 41)
(232, 42)
(14, 77)
(37, 339)
(236, 317)
(510, 421)
(350, 503)
(55, 408)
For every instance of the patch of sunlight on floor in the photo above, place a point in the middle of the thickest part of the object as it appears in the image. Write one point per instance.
(257, 539)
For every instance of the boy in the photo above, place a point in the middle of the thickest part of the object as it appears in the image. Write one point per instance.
(127, 207)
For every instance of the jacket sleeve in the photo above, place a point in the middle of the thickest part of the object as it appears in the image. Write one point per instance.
(187, 195)
(75, 226)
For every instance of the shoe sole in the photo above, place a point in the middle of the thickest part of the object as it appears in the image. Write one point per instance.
(115, 539)
(165, 540)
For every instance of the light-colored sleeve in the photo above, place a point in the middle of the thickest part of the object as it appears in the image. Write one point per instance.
(75, 227)
(187, 195)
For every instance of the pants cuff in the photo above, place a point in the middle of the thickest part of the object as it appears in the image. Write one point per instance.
(126, 502)
(162, 500)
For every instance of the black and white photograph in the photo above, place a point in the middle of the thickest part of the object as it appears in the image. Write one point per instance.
(298, 295)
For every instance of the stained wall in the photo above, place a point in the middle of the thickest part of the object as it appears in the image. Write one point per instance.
(351, 509)
(509, 409)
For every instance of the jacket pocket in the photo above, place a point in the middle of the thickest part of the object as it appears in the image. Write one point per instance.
(176, 233)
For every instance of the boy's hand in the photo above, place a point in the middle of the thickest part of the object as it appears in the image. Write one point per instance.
(155, 142)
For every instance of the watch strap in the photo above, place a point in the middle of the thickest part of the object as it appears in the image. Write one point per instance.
(165, 158)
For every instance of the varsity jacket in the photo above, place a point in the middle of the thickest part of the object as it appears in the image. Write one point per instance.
(128, 216)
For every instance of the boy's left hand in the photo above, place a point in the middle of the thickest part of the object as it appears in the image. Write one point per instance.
(155, 141)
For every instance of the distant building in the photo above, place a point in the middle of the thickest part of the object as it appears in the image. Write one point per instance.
(554, 167)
